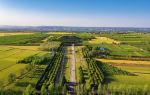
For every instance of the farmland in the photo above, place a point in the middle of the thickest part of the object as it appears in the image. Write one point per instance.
(73, 63)
(9, 57)
(21, 39)
(140, 40)
(99, 40)
(17, 33)
(142, 74)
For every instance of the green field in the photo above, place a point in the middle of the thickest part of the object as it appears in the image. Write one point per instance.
(141, 40)
(141, 79)
(8, 60)
(125, 50)
(30, 77)
(122, 45)
(22, 39)
(104, 64)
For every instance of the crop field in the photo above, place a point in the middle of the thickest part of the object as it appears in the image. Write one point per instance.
(125, 50)
(36, 48)
(17, 33)
(140, 40)
(22, 39)
(140, 80)
(125, 62)
(30, 77)
(141, 69)
(9, 56)
(74, 64)
(114, 43)
(99, 40)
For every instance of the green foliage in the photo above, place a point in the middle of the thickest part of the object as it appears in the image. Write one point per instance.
(70, 40)
(100, 52)
(86, 36)
(11, 78)
(43, 90)
(35, 59)
(64, 90)
(95, 73)
(140, 40)
(51, 87)
(123, 90)
(108, 69)
(9, 92)
(49, 46)
(28, 90)
(82, 79)
(54, 38)
(50, 73)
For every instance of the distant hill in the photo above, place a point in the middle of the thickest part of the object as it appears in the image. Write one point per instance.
(67, 28)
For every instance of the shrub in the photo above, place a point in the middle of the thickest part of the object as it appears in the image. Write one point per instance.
(11, 78)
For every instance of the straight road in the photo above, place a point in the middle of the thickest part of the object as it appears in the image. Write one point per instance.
(72, 66)
(72, 82)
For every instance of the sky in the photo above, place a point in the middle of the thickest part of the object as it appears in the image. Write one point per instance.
(86, 13)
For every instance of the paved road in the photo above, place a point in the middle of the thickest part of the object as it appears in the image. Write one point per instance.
(72, 66)
(72, 82)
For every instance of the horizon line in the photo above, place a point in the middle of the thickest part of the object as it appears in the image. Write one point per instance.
(74, 26)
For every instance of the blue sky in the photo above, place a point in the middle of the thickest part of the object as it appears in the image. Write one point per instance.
(102, 13)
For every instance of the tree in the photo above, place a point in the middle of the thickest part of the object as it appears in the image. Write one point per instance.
(11, 78)
(51, 87)
(43, 90)
(64, 90)
(82, 80)
(28, 90)
(22, 71)
(99, 89)
(29, 67)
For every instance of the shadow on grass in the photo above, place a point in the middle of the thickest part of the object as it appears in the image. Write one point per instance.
(108, 79)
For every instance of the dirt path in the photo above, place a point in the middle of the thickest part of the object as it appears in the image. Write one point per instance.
(72, 82)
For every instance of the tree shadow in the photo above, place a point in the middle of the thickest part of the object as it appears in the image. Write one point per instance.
(71, 88)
